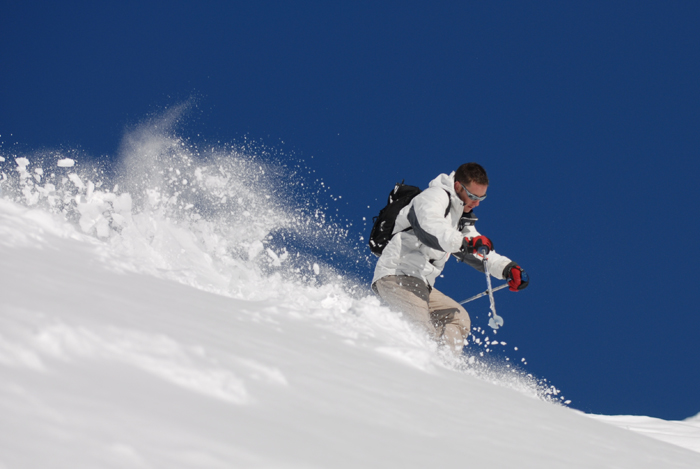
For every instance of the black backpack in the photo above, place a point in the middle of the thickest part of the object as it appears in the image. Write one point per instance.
(383, 227)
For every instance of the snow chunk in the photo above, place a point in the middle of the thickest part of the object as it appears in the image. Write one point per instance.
(75, 179)
(65, 163)
(274, 257)
(123, 203)
(254, 249)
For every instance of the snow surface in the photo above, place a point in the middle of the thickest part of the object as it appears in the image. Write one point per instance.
(177, 315)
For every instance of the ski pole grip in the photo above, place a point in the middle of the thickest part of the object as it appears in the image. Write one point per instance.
(483, 250)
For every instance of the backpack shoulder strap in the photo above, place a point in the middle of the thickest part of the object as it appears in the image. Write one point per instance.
(447, 210)
(449, 202)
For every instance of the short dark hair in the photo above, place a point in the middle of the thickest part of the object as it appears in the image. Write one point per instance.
(471, 172)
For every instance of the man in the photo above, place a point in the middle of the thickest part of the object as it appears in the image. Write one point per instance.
(438, 222)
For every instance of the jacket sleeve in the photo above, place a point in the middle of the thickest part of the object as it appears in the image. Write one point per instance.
(429, 223)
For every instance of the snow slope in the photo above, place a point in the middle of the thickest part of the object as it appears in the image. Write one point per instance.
(684, 433)
(147, 326)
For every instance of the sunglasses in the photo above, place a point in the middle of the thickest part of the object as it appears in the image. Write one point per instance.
(470, 195)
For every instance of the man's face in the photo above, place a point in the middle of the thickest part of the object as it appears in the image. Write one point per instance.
(476, 189)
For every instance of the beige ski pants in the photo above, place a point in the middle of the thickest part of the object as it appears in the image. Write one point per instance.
(445, 320)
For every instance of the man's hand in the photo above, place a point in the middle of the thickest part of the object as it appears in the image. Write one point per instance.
(472, 246)
(517, 277)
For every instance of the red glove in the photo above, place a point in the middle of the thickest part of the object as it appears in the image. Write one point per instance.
(473, 245)
(517, 278)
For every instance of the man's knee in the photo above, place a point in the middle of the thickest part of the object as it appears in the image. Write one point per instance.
(464, 322)
(456, 316)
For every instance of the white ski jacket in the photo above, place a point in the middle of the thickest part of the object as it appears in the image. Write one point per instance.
(427, 232)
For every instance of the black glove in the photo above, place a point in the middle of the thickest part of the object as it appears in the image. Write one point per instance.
(517, 277)
(472, 246)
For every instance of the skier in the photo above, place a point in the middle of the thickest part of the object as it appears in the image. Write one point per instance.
(436, 223)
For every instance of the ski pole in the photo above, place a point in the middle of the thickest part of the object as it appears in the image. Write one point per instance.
(496, 321)
(483, 293)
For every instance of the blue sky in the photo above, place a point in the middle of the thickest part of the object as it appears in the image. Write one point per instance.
(585, 116)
